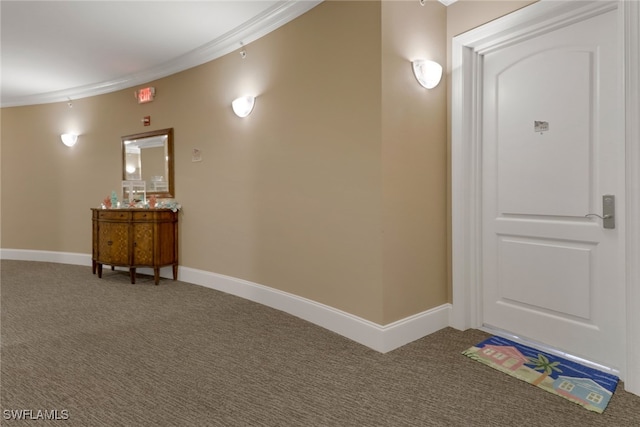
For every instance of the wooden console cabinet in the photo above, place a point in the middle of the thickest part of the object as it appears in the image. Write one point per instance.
(135, 238)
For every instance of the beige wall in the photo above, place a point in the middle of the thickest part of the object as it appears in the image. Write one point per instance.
(413, 160)
(333, 189)
(465, 15)
(288, 197)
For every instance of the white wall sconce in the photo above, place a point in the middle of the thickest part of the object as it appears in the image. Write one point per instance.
(427, 72)
(69, 139)
(243, 106)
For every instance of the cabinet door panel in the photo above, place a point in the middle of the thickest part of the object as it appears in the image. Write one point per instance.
(143, 244)
(113, 243)
(166, 243)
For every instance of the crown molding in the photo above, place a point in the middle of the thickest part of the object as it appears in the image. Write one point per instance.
(259, 26)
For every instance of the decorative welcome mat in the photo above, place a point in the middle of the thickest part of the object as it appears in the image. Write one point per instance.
(578, 383)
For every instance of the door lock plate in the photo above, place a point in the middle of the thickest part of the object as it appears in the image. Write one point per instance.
(609, 211)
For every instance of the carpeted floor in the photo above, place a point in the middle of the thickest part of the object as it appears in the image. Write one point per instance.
(114, 354)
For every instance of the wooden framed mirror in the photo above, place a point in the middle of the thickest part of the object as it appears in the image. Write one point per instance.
(148, 157)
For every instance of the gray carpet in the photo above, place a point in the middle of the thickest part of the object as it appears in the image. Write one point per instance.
(115, 354)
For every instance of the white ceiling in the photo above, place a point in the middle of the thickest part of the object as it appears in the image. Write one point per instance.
(52, 51)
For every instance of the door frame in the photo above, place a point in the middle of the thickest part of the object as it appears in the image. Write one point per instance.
(466, 166)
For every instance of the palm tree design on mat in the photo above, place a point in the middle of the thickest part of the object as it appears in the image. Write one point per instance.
(543, 364)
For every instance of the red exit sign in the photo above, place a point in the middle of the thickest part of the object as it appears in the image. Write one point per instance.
(145, 95)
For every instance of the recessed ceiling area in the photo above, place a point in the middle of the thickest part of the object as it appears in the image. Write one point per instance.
(53, 51)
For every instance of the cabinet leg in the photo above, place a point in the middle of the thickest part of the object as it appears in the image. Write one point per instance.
(156, 275)
(99, 271)
(175, 272)
(132, 273)
(93, 266)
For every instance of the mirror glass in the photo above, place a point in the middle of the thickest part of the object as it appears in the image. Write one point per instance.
(148, 157)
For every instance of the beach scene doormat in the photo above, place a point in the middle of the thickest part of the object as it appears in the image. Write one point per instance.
(580, 384)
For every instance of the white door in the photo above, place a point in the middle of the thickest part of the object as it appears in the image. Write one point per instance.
(552, 146)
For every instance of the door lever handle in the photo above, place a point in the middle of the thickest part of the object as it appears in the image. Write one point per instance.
(601, 217)
(608, 212)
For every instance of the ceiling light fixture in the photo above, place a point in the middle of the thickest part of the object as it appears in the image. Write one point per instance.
(427, 72)
(243, 106)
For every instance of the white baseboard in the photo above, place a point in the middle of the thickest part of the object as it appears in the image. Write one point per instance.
(46, 256)
(377, 337)
(380, 338)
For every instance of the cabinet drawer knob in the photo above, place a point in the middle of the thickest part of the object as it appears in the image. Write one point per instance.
(110, 242)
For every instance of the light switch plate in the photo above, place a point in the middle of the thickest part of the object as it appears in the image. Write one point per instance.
(196, 155)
